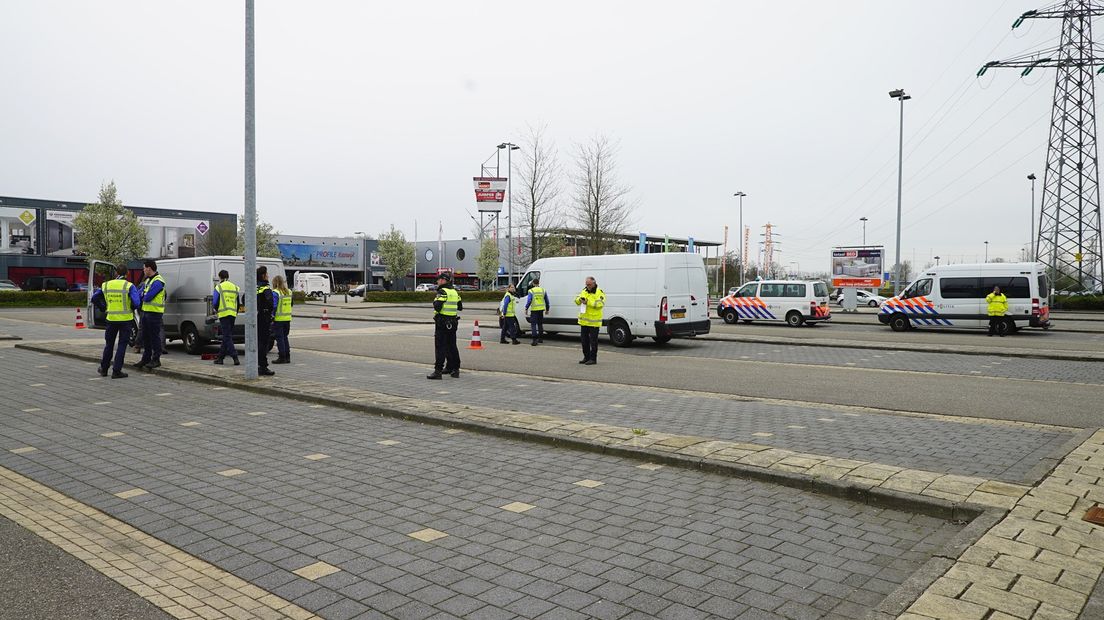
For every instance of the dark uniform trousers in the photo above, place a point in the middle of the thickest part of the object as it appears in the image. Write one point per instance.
(446, 356)
(152, 340)
(536, 324)
(116, 330)
(589, 339)
(226, 332)
(264, 338)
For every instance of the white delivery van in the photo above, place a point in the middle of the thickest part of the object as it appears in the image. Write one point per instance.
(954, 296)
(313, 284)
(190, 285)
(794, 301)
(657, 295)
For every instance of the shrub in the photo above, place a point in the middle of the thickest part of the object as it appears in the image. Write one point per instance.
(42, 299)
(1079, 302)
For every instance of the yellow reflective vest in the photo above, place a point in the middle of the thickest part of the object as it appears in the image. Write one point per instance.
(117, 295)
(538, 299)
(157, 304)
(998, 304)
(590, 307)
(283, 308)
(228, 298)
(509, 300)
(450, 299)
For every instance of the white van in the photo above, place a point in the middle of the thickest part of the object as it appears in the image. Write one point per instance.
(794, 301)
(656, 295)
(313, 284)
(954, 296)
(190, 285)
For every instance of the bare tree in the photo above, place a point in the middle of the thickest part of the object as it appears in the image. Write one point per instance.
(600, 203)
(539, 176)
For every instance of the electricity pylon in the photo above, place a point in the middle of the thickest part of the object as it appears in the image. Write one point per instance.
(1069, 239)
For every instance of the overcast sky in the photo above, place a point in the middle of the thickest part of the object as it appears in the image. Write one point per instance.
(373, 113)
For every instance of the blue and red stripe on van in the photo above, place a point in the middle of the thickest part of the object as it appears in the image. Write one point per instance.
(919, 309)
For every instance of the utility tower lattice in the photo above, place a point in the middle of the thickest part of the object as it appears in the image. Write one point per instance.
(1069, 238)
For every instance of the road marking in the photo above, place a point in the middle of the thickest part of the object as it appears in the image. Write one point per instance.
(230, 473)
(317, 407)
(427, 535)
(388, 442)
(317, 570)
(577, 411)
(189, 424)
(38, 385)
(442, 392)
(650, 466)
(339, 378)
(257, 413)
(215, 389)
(794, 426)
(42, 366)
(618, 406)
(518, 507)
(112, 434)
(31, 410)
(590, 484)
(23, 450)
(131, 493)
(826, 419)
(762, 434)
(316, 457)
(102, 402)
(164, 394)
(654, 400)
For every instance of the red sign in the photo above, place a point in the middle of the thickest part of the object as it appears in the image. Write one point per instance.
(489, 192)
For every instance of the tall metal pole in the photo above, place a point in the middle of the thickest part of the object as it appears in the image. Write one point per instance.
(743, 267)
(1032, 244)
(900, 172)
(863, 220)
(250, 287)
(510, 214)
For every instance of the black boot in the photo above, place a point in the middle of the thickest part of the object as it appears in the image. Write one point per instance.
(236, 362)
(436, 374)
(455, 374)
(218, 360)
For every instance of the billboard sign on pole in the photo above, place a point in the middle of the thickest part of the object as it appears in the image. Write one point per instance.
(857, 267)
(489, 193)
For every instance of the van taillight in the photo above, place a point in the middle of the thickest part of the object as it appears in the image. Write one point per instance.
(1034, 306)
(663, 309)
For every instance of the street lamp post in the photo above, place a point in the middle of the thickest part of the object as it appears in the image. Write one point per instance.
(864, 220)
(250, 224)
(367, 265)
(987, 251)
(900, 95)
(1031, 241)
(511, 147)
(936, 261)
(740, 234)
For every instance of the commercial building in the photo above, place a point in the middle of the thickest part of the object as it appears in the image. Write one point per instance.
(347, 260)
(37, 237)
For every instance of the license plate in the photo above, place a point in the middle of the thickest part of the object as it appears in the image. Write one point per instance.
(678, 314)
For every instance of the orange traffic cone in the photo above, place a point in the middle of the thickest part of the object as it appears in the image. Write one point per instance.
(80, 320)
(325, 320)
(476, 341)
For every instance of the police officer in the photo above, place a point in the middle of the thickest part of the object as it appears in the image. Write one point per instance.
(266, 305)
(281, 321)
(119, 297)
(446, 310)
(535, 305)
(997, 305)
(508, 314)
(153, 315)
(225, 301)
(590, 301)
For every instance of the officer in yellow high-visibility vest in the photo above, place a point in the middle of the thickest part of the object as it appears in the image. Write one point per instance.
(590, 300)
(535, 305)
(118, 298)
(446, 316)
(997, 304)
(281, 320)
(226, 302)
(153, 315)
(507, 314)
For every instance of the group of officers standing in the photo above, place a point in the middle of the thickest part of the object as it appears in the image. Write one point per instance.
(448, 305)
(119, 298)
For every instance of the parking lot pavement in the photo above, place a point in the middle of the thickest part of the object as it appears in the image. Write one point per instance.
(424, 522)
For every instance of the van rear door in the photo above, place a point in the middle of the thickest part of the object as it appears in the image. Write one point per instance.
(98, 273)
(679, 304)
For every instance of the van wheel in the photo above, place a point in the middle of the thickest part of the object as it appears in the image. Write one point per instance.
(729, 315)
(619, 333)
(193, 344)
(899, 323)
(1005, 327)
(794, 319)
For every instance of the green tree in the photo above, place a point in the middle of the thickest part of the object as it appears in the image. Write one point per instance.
(221, 240)
(266, 239)
(488, 263)
(553, 245)
(109, 231)
(396, 253)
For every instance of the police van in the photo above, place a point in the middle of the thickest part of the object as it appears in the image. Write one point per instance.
(953, 296)
(796, 302)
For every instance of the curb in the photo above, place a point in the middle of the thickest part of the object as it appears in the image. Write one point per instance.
(852, 491)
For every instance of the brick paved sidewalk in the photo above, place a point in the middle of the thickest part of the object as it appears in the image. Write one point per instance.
(421, 522)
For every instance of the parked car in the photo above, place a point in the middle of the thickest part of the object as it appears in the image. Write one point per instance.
(865, 298)
(467, 287)
(425, 287)
(79, 287)
(8, 285)
(45, 283)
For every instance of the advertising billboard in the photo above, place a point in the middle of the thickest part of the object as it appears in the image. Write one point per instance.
(857, 267)
(489, 193)
(168, 237)
(318, 255)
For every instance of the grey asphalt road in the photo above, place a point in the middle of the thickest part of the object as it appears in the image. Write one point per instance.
(1065, 404)
(39, 581)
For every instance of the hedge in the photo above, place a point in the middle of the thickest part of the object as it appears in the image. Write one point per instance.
(42, 299)
(419, 297)
(1079, 302)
